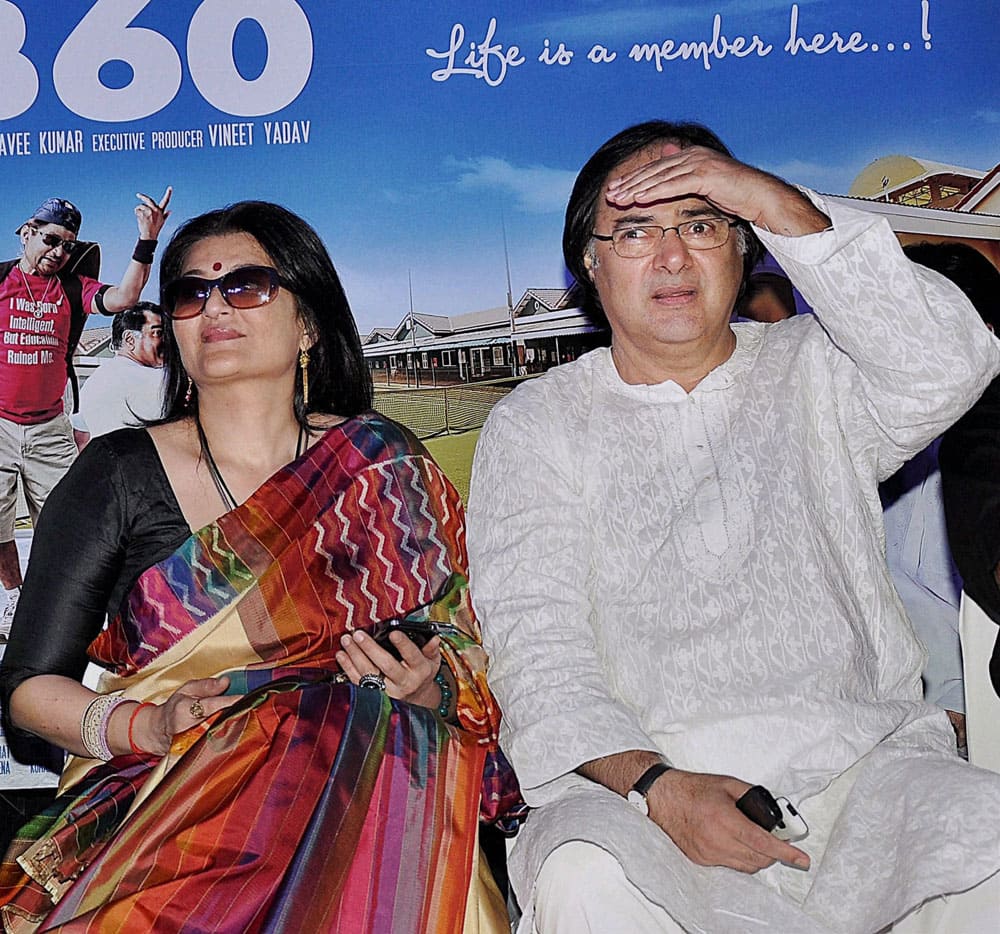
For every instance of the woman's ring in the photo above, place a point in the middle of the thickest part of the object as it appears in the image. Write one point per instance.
(372, 680)
(197, 711)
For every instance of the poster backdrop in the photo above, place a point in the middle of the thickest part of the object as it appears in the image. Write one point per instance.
(412, 134)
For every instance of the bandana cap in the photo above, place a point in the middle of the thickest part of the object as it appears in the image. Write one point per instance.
(59, 211)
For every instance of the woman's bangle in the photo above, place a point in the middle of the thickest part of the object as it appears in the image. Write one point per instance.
(131, 725)
(94, 725)
(444, 708)
(144, 251)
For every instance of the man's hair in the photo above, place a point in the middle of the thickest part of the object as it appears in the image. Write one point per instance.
(582, 208)
(339, 379)
(132, 319)
(972, 272)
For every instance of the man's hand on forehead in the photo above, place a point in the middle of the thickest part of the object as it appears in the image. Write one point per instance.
(731, 187)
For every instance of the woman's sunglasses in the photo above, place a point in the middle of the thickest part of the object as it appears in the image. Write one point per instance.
(246, 287)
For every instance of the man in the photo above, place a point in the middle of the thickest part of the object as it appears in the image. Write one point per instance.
(41, 316)
(129, 386)
(917, 550)
(768, 296)
(676, 556)
(970, 459)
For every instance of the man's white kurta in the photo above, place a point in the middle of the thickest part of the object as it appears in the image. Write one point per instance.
(702, 574)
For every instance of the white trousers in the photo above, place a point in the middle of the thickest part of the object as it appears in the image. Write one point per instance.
(974, 912)
(582, 889)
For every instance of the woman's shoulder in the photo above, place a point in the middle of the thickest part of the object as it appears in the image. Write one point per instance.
(122, 443)
(378, 435)
(126, 461)
(116, 478)
(127, 445)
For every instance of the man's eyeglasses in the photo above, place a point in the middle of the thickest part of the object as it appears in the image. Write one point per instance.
(706, 233)
(52, 241)
(246, 287)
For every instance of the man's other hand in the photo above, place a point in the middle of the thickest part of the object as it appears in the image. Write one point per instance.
(151, 214)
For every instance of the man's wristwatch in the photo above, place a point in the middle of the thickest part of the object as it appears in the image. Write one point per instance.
(637, 795)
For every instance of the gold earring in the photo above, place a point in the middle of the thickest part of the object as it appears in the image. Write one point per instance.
(304, 366)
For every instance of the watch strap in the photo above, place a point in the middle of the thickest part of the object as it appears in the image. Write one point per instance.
(645, 781)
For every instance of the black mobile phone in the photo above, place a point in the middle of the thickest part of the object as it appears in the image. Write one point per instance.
(776, 815)
(759, 805)
(420, 632)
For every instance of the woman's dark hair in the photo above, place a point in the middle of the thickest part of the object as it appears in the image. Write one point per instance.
(339, 379)
(582, 208)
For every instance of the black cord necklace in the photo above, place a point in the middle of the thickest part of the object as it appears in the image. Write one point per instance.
(228, 500)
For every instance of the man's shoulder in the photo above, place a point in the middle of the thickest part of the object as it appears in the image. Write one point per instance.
(547, 412)
(86, 282)
(782, 341)
(99, 391)
(6, 268)
(100, 376)
(795, 328)
(559, 388)
(118, 363)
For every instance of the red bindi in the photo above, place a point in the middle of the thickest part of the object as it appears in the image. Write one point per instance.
(216, 266)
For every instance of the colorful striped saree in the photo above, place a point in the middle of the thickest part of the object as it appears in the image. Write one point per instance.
(309, 805)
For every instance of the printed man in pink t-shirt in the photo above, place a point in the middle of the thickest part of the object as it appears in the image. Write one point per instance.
(42, 309)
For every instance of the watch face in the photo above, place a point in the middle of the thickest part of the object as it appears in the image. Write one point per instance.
(638, 801)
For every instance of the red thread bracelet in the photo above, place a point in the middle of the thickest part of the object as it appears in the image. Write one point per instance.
(131, 725)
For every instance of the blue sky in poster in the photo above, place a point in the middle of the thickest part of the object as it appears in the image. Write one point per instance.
(405, 176)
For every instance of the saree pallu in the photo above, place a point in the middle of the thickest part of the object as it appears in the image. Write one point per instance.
(309, 805)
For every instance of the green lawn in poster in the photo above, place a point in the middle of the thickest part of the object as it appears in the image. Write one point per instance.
(454, 456)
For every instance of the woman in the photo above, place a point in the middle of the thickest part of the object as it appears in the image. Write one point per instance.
(245, 548)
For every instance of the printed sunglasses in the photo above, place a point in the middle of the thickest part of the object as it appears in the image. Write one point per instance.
(246, 287)
(52, 241)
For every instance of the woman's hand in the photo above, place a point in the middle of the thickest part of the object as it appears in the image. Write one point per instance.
(155, 726)
(411, 679)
